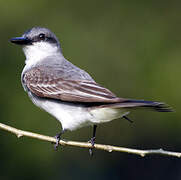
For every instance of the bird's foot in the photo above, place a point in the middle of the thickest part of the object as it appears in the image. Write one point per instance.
(57, 137)
(92, 141)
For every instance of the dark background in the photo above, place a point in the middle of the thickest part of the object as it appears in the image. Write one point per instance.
(131, 47)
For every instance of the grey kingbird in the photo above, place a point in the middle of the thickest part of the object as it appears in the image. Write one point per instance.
(66, 91)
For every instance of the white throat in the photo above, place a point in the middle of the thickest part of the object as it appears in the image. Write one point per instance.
(38, 51)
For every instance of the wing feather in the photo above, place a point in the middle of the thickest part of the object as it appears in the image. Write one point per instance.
(47, 85)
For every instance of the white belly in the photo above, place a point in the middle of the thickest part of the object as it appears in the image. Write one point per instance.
(73, 116)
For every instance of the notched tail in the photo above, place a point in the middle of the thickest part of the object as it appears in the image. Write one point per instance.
(157, 106)
(129, 104)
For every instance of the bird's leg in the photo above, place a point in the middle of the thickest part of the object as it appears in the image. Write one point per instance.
(92, 140)
(125, 117)
(58, 138)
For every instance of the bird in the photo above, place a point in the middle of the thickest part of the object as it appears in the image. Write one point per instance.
(67, 92)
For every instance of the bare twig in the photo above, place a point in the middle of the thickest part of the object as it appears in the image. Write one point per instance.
(19, 133)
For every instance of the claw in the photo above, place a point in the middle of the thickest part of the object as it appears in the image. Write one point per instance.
(58, 138)
(92, 141)
(90, 152)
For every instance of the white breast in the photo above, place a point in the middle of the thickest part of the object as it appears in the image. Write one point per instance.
(38, 51)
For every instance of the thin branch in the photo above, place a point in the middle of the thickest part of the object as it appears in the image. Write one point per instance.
(19, 133)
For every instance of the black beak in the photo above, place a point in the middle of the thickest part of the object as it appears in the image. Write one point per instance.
(21, 41)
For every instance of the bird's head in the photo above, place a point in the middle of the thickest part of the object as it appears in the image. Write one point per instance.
(38, 42)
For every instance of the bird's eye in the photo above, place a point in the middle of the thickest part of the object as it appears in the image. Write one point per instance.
(42, 36)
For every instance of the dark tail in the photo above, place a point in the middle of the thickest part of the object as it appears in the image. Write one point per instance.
(157, 106)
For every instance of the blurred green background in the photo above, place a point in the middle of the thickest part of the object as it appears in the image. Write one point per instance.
(131, 47)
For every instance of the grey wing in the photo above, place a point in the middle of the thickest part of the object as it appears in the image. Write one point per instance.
(44, 82)
(64, 69)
